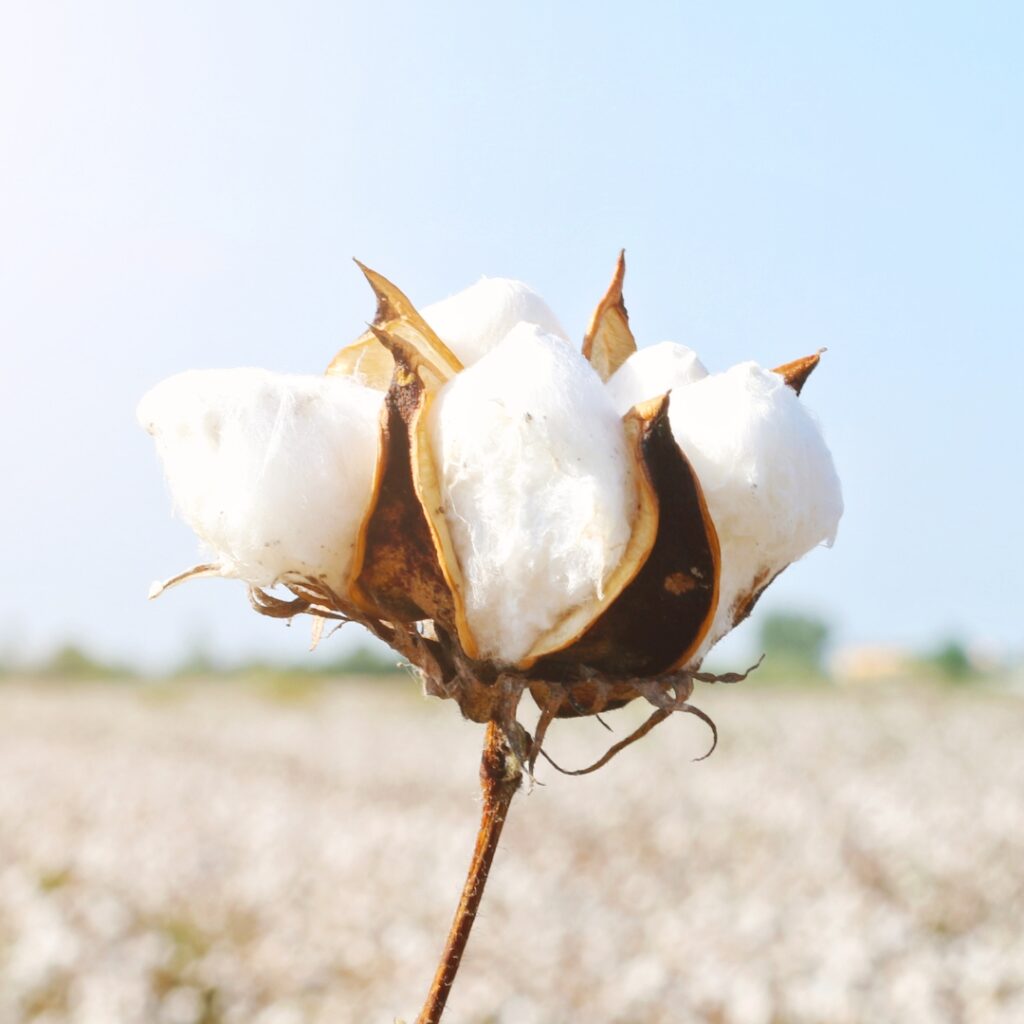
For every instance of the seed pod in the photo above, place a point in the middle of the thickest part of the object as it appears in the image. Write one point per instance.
(509, 513)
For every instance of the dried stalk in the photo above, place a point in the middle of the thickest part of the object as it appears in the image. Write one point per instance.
(500, 776)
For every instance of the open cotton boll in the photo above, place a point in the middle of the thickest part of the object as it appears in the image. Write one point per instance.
(537, 487)
(766, 473)
(650, 372)
(273, 472)
(474, 320)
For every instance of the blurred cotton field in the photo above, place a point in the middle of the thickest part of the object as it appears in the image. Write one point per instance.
(194, 854)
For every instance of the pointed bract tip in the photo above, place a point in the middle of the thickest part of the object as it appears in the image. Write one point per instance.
(795, 373)
(620, 270)
(392, 302)
(366, 271)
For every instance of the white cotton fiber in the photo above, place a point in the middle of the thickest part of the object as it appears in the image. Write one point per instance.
(273, 472)
(766, 472)
(537, 487)
(473, 321)
(650, 372)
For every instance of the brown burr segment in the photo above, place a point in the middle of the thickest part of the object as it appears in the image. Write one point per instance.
(609, 341)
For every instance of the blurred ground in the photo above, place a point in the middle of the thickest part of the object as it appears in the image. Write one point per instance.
(215, 855)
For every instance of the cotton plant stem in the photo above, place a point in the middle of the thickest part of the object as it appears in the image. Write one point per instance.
(500, 776)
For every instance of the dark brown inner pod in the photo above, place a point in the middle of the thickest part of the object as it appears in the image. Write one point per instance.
(401, 579)
(660, 618)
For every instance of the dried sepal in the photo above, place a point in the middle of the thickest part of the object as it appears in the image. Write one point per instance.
(661, 616)
(655, 718)
(609, 341)
(195, 573)
(667, 694)
(548, 713)
(276, 607)
(795, 373)
(316, 632)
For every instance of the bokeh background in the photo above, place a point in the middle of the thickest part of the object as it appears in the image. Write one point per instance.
(201, 821)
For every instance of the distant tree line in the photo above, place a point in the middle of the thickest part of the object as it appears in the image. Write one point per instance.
(795, 646)
(72, 661)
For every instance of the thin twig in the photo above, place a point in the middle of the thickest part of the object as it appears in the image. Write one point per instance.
(500, 776)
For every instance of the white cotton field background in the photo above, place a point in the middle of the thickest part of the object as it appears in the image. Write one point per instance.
(205, 854)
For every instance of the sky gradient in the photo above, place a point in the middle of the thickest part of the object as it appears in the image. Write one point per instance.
(184, 186)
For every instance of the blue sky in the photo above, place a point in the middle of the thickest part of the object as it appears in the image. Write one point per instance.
(185, 184)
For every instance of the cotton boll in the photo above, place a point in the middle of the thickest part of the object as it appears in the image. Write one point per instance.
(473, 321)
(766, 473)
(650, 372)
(273, 472)
(537, 487)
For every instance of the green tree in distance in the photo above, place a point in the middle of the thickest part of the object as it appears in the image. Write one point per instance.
(794, 643)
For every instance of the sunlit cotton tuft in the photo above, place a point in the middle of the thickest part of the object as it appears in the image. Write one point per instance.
(650, 372)
(536, 484)
(273, 472)
(475, 320)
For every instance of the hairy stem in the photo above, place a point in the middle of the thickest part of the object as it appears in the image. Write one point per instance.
(500, 776)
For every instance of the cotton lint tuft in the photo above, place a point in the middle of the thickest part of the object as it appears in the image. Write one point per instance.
(537, 487)
(767, 477)
(474, 320)
(273, 472)
(650, 372)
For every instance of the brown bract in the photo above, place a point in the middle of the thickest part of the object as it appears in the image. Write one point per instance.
(795, 374)
(407, 570)
(609, 342)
